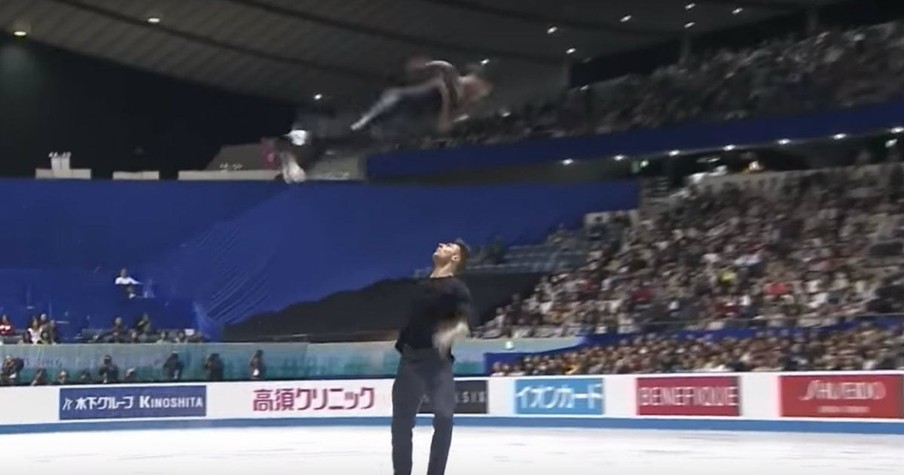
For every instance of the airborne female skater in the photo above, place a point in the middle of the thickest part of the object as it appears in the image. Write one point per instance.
(439, 95)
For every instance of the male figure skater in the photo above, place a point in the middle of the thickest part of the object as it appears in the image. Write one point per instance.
(440, 314)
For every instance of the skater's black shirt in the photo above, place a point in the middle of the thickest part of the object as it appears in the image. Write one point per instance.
(436, 300)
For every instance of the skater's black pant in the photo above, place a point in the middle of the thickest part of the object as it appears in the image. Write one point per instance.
(422, 372)
(410, 103)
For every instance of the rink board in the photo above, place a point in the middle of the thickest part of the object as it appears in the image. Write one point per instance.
(795, 402)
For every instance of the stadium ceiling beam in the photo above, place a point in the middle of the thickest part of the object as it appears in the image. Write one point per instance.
(527, 17)
(780, 5)
(355, 73)
(392, 35)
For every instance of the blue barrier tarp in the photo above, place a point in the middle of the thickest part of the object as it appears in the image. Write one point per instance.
(311, 241)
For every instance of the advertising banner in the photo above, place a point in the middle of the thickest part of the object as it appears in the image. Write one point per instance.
(860, 395)
(560, 396)
(132, 402)
(689, 396)
(471, 397)
(335, 398)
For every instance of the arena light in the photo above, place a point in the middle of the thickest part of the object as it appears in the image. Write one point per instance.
(728, 148)
(891, 143)
(567, 161)
(839, 136)
(585, 88)
(619, 158)
(689, 25)
(784, 141)
(552, 30)
(897, 130)
(737, 11)
(690, 6)
(317, 97)
(626, 18)
(484, 61)
(20, 33)
(154, 20)
(571, 51)
(674, 153)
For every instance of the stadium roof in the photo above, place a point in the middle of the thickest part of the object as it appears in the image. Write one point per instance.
(345, 50)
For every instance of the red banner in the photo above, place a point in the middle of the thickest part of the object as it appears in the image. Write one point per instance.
(864, 396)
(689, 396)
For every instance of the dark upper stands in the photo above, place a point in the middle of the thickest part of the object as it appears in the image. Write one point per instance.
(833, 69)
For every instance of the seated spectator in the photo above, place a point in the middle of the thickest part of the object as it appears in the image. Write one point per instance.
(119, 326)
(127, 285)
(117, 334)
(44, 338)
(62, 379)
(6, 326)
(144, 325)
(34, 330)
(85, 377)
(163, 338)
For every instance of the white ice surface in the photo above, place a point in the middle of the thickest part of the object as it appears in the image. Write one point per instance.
(475, 451)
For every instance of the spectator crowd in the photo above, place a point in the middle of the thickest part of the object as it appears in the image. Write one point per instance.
(862, 347)
(108, 372)
(42, 330)
(834, 69)
(814, 251)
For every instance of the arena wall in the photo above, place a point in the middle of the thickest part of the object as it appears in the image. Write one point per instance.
(796, 402)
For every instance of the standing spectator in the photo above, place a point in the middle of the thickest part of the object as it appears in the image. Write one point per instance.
(257, 367)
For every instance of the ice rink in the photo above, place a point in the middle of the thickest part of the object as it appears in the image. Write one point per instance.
(475, 451)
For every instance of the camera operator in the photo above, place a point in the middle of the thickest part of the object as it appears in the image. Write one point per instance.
(172, 368)
(213, 366)
(108, 372)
